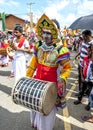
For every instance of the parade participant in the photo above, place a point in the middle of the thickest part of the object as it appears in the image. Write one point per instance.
(4, 57)
(48, 56)
(4, 60)
(12, 54)
(20, 45)
(32, 42)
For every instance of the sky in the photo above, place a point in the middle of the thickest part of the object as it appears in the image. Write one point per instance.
(64, 11)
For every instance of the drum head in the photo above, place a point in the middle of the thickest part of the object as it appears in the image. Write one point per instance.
(10, 51)
(49, 98)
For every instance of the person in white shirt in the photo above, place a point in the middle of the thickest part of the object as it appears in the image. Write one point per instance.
(20, 45)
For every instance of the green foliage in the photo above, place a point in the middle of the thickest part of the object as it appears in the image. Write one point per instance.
(0, 15)
(3, 21)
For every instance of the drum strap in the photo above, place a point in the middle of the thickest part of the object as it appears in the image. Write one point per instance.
(32, 68)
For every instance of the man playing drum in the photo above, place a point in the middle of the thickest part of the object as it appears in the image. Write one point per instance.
(48, 57)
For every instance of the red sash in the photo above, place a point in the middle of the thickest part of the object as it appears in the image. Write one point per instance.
(21, 42)
(85, 67)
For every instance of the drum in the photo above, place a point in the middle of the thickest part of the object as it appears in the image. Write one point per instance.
(3, 51)
(35, 94)
(10, 51)
(7, 51)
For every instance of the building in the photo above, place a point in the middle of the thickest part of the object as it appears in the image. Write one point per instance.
(11, 20)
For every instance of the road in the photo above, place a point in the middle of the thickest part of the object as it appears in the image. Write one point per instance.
(15, 117)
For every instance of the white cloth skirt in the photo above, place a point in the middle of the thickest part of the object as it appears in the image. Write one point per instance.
(42, 122)
(4, 59)
(19, 68)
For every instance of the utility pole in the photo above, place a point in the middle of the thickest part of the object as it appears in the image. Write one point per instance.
(31, 15)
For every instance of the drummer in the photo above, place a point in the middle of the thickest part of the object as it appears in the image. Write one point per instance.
(48, 56)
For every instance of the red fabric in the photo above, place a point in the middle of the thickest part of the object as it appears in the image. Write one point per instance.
(4, 45)
(85, 66)
(50, 74)
(46, 73)
(31, 46)
(21, 42)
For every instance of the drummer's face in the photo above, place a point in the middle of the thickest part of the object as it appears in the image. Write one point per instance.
(47, 37)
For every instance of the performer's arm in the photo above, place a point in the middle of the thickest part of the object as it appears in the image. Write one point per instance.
(66, 69)
(32, 67)
(64, 74)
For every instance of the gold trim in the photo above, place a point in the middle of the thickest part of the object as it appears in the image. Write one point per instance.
(31, 68)
(45, 23)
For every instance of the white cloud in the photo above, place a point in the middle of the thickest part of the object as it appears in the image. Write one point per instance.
(70, 19)
(76, 1)
(57, 4)
(12, 2)
(85, 8)
(9, 2)
(58, 9)
(65, 11)
(53, 10)
(2, 1)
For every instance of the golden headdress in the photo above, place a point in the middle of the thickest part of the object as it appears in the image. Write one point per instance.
(45, 23)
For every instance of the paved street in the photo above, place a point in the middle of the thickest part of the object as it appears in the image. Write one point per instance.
(15, 117)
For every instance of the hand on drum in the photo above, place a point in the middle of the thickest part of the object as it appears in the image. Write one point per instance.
(60, 102)
(61, 87)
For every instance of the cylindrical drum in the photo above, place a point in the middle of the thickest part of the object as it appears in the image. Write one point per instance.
(35, 94)
(3, 51)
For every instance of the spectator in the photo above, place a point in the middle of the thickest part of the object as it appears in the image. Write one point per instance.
(86, 83)
(87, 41)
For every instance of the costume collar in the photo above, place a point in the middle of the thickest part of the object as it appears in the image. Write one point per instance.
(45, 47)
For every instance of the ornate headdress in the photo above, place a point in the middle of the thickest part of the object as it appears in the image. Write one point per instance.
(44, 23)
